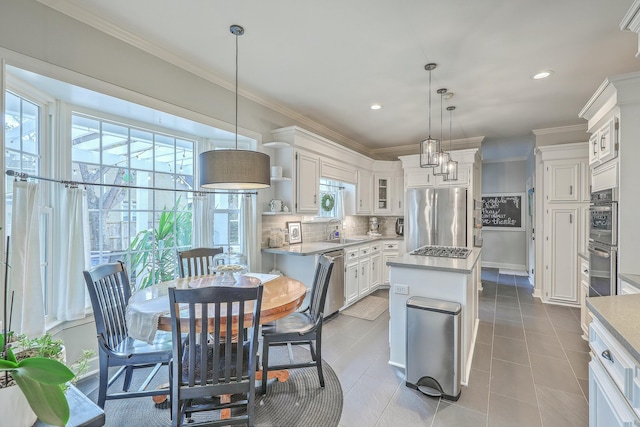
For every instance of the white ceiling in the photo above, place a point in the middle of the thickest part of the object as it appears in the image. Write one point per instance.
(327, 61)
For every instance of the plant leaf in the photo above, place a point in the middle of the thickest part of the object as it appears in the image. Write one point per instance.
(7, 365)
(47, 401)
(43, 370)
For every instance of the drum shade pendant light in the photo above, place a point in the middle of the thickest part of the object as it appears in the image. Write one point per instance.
(443, 157)
(452, 165)
(430, 147)
(235, 169)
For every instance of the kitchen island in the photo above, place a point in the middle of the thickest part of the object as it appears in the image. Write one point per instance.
(449, 279)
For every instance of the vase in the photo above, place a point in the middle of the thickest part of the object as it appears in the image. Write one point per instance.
(15, 408)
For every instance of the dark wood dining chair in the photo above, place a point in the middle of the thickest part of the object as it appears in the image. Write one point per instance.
(215, 369)
(109, 290)
(196, 262)
(300, 327)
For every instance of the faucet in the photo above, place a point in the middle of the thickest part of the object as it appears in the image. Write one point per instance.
(326, 228)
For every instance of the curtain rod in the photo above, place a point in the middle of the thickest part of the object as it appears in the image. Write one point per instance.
(23, 176)
(339, 187)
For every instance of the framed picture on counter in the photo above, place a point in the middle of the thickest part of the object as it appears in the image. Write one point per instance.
(295, 231)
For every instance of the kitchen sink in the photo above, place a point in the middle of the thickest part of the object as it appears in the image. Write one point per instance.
(344, 240)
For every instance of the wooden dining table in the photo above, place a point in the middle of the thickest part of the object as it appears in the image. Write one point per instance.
(281, 295)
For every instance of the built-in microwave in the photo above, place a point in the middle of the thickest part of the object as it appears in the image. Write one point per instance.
(603, 217)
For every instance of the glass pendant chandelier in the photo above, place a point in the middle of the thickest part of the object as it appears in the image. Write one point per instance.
(235, 169)
(452, 165)
(430, 147)
(443, 157)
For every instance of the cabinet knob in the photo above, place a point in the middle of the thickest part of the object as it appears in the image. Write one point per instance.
(607, 355)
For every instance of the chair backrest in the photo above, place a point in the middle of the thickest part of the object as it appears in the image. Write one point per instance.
(320, 285)
(196, 262)
(109, 289)
(216, 315)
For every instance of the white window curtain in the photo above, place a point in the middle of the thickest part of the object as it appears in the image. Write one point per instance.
(73, 256)
(202, 214)
(24, 261)
(250, 239)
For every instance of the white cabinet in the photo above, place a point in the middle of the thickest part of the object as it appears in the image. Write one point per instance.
(390, 251)
(382, 191)
(418, 177)
(613, 381)
(397, 195)
(462, 181)
(583, 274)
(351, 276)
(561, 236)
(560, 221)
(364, 196)
(307, 183)
(603, 144)
(563, 180)
(627, 288)
(376, 260)
(364, 276)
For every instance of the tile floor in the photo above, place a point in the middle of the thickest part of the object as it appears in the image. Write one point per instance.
(529, 367)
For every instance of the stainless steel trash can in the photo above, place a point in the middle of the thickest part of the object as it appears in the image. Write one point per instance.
(433, 347)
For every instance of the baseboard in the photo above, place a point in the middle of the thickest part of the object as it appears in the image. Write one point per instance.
(490, 264)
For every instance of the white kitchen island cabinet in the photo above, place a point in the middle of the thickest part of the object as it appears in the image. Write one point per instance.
(448, 279)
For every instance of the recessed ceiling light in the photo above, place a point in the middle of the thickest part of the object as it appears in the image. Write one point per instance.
(542, 75)
(376, 106)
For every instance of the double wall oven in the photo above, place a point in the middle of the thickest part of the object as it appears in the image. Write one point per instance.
(603, 243)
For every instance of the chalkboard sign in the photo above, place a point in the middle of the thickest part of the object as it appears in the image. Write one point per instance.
(503, 211)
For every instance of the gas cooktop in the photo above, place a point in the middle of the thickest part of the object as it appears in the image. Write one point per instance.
(442, 251)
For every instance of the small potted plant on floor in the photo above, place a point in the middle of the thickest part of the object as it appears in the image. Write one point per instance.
(38, 380)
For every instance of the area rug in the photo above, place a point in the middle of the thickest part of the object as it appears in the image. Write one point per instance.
(297, 402)
(368, 308)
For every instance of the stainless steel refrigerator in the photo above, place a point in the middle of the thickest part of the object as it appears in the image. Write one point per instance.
(436, 216)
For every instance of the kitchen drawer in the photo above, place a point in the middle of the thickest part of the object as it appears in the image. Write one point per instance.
(365, 251)
(352, 256)
(375, 248)
(614, 358)
(390, 246)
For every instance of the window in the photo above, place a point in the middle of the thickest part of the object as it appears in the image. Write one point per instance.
(329, 199)
(143, 227)
(23, 122)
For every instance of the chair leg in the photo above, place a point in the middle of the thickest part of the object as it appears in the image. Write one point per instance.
(104, 380)
(319, 358)
(128, 374)
(265, 364)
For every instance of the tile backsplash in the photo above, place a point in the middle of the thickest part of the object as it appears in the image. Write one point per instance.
(317, 231)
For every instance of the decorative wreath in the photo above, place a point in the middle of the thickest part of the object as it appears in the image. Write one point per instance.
(327, 202)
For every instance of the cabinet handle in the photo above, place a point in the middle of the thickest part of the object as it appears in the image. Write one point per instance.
(356, 273)
(607, 355)
(315, 196)
(602, 140)
(595, 146)
(570, 218)
(571, 189)
(585, 271)
(399, 204)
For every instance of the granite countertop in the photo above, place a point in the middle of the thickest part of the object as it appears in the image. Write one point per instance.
(456, 265)
(620, 315)
(313, 248)
(632, 279)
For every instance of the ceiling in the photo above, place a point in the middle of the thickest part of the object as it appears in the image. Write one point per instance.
(327, 62)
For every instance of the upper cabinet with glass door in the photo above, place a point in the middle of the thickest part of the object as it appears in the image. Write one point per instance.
(382, 191)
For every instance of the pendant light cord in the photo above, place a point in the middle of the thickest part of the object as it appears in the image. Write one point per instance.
(237, 35)
(429, 104)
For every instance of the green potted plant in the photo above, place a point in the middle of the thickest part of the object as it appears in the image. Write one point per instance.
(39, 379)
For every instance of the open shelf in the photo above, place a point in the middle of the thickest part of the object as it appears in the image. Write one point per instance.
(277, 213)
(282, 178)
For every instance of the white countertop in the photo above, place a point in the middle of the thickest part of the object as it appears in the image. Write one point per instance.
(313, 248)
(620, 314)
(461, 265)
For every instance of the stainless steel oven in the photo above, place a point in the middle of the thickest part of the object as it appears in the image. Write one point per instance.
(603, 240)
(603, 217)
(603, 269)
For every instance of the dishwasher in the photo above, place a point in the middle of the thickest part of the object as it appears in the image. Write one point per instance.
(335, 293)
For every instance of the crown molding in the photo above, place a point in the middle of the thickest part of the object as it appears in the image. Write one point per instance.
(561, 129)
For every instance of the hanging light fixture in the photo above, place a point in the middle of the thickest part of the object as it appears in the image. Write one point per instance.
(452, 165)
(235, 169)
(430, 147)
(443, 157)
